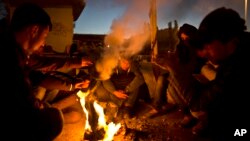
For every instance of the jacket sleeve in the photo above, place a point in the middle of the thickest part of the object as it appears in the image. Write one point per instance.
(108, 85)
(44, 63)
(50, 82)
(137, 81)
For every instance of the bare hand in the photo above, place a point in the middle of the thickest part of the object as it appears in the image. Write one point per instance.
(86, 62)
(82, 84)
(120, 94)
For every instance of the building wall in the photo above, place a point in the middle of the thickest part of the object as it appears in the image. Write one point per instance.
(62, 30)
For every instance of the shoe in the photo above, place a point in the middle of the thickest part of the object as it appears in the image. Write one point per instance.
(199, 128)
(188, 121)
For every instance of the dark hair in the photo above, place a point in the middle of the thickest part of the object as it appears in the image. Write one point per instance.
(29, 14)
(221, 24)
(188, 29)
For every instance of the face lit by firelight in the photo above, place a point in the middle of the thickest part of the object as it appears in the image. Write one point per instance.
(38, 38)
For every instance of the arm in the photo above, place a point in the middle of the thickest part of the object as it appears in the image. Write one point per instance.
(109, 86)
(137, 81)
(45, 63)
(50, 82)
(60, 81)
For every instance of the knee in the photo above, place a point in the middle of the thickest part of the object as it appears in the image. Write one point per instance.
(72, 117)
(54, 121)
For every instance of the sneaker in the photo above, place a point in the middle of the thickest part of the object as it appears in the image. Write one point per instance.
(188, 121)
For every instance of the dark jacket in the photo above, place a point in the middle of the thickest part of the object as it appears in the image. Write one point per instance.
(226, 97)
(52, 63)
(125, 80)
(22, 113)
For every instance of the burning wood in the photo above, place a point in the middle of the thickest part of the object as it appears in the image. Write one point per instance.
(104, 131)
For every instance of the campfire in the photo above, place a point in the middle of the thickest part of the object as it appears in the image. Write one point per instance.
(107, 131)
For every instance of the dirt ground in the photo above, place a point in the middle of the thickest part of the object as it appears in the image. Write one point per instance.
(163, 127)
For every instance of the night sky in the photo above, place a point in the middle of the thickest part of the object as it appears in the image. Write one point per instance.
(98, 16)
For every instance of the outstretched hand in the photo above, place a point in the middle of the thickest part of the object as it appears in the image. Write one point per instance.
(82, 84)
(120, 94)
(86, 62)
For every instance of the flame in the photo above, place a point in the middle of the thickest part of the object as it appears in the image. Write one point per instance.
(109, 129)
(82, 96)
(101, 118)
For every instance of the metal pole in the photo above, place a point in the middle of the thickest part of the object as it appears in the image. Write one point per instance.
(246, 10)
(153, 28)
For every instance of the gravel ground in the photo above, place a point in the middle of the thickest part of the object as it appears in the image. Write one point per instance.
(160, 128)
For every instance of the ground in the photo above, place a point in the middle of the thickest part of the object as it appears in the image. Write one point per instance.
(164, 127)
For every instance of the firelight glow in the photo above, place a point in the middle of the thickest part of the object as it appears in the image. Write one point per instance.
(110, 129)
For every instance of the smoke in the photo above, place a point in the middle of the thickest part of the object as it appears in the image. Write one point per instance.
(129, 32)
(128, 35)
(105, 65)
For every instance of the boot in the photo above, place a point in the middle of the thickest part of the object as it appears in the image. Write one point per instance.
(202, 123)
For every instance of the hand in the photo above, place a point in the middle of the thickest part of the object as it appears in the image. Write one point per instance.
(120, 94)
(86, 62)
(82, 84)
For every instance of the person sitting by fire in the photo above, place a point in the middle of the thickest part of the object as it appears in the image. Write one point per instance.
(41, 66)
(221, 106)
(182, 64)
(44, 70)
(55, 79)
(51, 76)
(29, 27)
(122, 88)
(59, 90)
